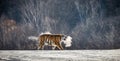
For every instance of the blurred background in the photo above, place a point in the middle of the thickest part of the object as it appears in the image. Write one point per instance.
(93, 24)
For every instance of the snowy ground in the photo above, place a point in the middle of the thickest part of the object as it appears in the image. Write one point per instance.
(57, 55)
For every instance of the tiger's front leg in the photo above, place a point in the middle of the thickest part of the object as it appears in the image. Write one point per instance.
(59, 47)
(53, 47)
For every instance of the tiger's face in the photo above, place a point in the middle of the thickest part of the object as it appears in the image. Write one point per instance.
(64, 37)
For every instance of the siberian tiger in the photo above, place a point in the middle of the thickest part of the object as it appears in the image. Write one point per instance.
(53, 40)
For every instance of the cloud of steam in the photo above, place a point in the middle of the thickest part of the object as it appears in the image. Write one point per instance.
(68, 41)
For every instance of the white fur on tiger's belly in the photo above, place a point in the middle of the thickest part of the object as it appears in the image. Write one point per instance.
(49, 43)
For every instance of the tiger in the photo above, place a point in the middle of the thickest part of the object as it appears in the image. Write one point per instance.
(53, 40)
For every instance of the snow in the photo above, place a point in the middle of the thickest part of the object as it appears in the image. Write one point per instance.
(59, 55)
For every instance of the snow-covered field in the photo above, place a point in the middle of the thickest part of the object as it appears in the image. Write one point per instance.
(60, 55)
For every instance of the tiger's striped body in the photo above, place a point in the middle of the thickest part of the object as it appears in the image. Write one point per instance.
(53, 40)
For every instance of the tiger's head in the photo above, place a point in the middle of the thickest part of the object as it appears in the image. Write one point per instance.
(67, 40)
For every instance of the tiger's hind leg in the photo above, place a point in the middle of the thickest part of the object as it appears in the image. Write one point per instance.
(41, 45)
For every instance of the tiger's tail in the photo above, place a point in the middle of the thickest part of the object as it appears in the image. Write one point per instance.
(34, 38)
